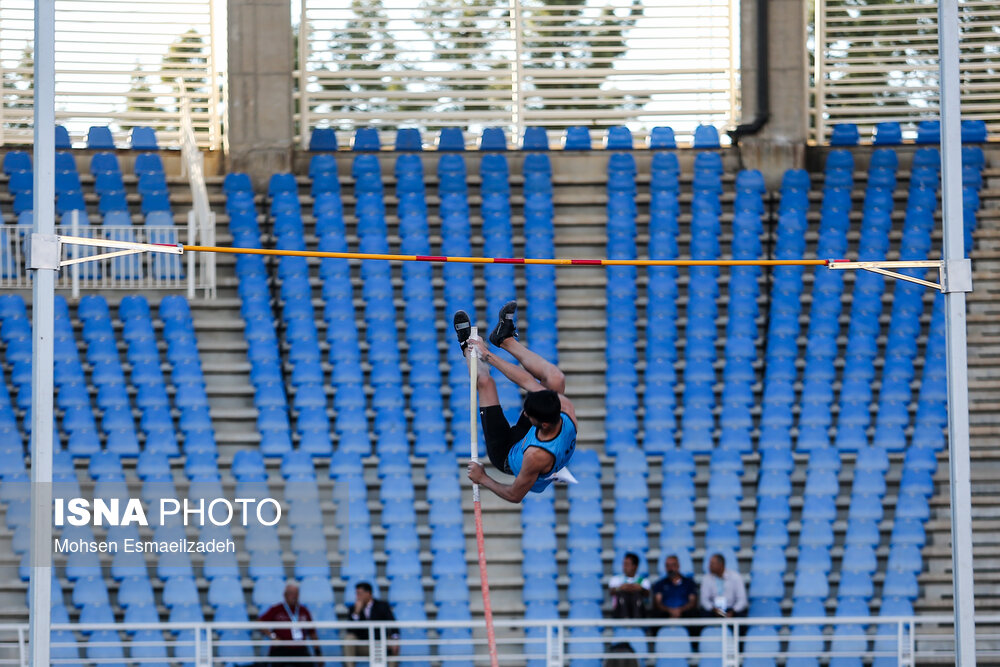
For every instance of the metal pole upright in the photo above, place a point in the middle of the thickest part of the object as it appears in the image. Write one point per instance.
(957, 279)
(42, 312)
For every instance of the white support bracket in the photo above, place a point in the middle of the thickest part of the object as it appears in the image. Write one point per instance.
(46, 250)
(885, 268)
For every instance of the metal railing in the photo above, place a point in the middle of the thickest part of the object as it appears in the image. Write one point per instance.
(514, 63)
(201, 219)
(141, 271)
(116, 66)
(910, 640)
(877, 61)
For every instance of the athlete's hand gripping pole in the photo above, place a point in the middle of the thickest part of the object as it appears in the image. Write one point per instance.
(484, 584)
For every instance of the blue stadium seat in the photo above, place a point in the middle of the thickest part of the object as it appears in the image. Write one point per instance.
(100, 138)
(493, 139)
(408, 139)
(577, 138)
(888, 134)
(535, 139)
(706, 136)
(451, 139)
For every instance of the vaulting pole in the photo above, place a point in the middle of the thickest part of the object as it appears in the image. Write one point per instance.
(484, 582)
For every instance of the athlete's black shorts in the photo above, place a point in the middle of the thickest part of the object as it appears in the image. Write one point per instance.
(500, 435)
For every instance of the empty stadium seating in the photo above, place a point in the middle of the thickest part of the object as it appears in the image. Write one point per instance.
(732, 439)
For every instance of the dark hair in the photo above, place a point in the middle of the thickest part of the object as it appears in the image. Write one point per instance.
(542, 405)
(364, 585)
(632, 557)
(722, 559)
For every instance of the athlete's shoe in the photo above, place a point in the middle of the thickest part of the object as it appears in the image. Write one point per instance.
(507, 326)
(463, 328)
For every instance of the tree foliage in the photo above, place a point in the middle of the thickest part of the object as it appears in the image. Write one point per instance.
(17, 94)
(364, 55)
(575, 38)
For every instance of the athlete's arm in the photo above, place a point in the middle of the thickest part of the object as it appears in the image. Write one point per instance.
(535, 461)
(566, 405)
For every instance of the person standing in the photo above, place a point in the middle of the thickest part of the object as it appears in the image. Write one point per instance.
(288, 642)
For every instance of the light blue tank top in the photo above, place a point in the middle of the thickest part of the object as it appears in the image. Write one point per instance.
(561, 447)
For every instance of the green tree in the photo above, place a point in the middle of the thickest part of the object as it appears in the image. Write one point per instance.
(187, 59)
(465, 34)
(18, 91)
(140, 100)
(363, 55)
(565, 38)
(893, 62)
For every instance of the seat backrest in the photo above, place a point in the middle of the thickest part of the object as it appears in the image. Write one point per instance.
(100, 137)
(143, 139)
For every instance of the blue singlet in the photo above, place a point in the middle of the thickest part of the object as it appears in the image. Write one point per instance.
(562, 447)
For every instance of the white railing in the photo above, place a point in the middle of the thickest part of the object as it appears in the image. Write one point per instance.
(201, 219)
(141, 271)
(911, 641)
(515, 63)
(877, 61)
(116, 63)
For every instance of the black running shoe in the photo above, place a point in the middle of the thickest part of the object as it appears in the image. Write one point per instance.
(507, 326)
(463, 327)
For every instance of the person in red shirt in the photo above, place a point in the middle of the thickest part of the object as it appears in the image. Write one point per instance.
(288, 641)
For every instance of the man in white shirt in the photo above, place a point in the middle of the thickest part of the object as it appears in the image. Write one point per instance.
(722, 591)
(629, 591)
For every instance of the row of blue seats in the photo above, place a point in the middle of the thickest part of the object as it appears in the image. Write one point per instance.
(890, 133)
(100, 138)
(494, 139)
(108, 183)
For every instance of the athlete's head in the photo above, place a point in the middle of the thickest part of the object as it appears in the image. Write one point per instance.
(542, 407)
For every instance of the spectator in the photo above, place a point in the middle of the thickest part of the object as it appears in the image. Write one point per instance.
(367, 608)
(722, 590)
(288, 641)
(675, 596)
(629, 591)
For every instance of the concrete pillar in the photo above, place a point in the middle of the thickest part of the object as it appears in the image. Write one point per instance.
(781, 144)
(260, 128)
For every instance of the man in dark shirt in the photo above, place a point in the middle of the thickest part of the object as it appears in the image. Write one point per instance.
(675, 596)
(288, 640)
(367, 608)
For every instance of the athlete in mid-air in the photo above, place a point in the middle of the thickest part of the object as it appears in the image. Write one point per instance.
(537, 448)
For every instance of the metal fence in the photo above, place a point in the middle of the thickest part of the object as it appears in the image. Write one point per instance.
(916, 640)
(140, 271)
(877, 61)
(117, 63)
(513, 63)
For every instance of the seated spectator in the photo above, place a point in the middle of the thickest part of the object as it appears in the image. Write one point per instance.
(629, 591)
(288, 641)
(367, 608)
(722, 590)
(675, 596)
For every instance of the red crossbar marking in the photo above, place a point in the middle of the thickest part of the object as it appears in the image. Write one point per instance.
(431, 258)
(587, 262)
(508, 260)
